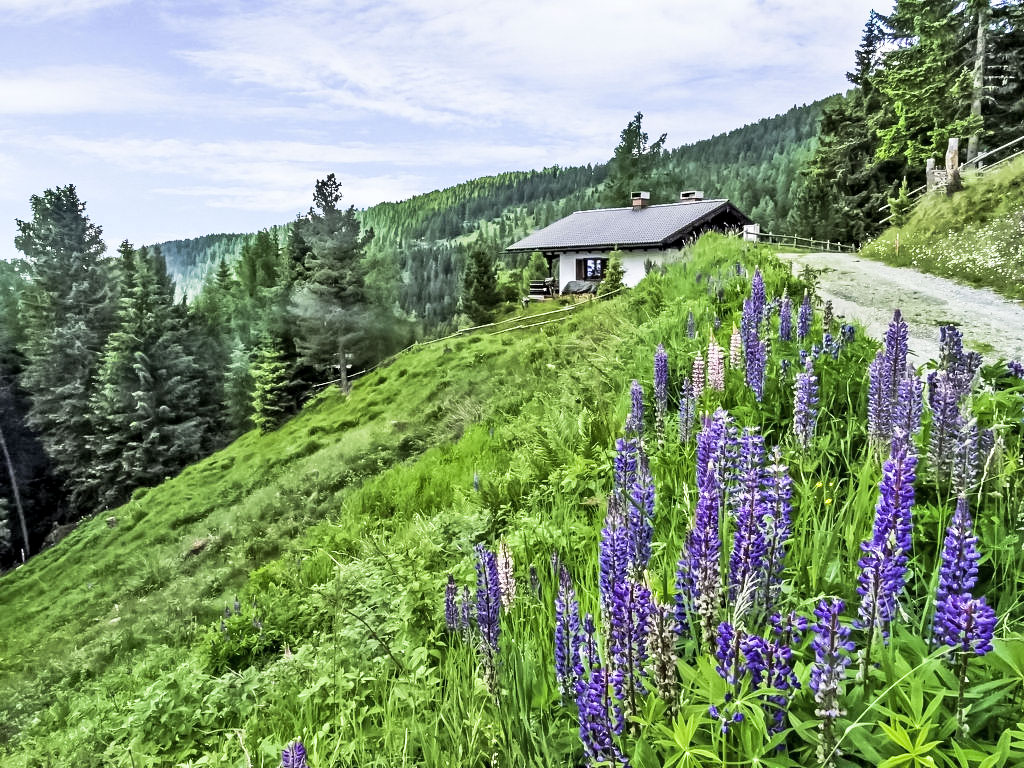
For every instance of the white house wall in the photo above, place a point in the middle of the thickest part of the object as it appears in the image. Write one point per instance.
(632, 264)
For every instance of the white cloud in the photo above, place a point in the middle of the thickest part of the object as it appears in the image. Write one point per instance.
(46, 10)
(65, 90)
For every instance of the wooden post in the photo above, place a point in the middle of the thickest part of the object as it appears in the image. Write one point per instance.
(17, 496)
(953, 166)
(929, 174)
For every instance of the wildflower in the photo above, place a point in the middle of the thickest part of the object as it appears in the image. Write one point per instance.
(624, 467)
(884, 562)
(959, 570)
(947, 423)
(786, 319)
(567, 633)
(827, 315)
(691, 326)
(758, 296)
(728, 643)
(959, 366)
(804, 318)
(735, 348)
(716, 366)
(294, 756)
(613, 550)
(1016, 369)
(969, 625)
(756, 362)
(965, 459)
(770, 664)
(777, 524)
(698, 376)
(627, 640)
(906, 412)
(747, 560)
(600, 718)
(660, 390)
(847, 334)
(662, 648)
(635, 420)
(687, 411)
(506, 576)
(466, 613)
(805, 406)
(451, 618)
(488, 612)
(831, 647)
(640, 516)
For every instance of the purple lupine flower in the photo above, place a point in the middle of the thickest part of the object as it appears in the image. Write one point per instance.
(698, 376)
(756, 363)
(613, 550)
(466, 614)
(640, 516)
(965, 459)
(947, 423)
(624, 466)
(770, 665)
(970, 623)
(294, 756)
(488, 612)
(786, 319)
(960, 366)
(567, 633)
(660, 390)
(897, 347)
(687, 412)
(883, 565)
(628, 620)
(691, 326)
(747, 575)
(847, 334)
(451, 617)
(805, 406)
(831, 345)
(758, 296)
(879, 404)
(735, 349)
(728, 645)
(635, 420)
(662, 648)
(959, 570)
(1015, 368)
(804, 318)
(716, 366)
(788, 628)
(907, 410)
(600, 720)
(827, 315)
(832, 647)
(777, 522)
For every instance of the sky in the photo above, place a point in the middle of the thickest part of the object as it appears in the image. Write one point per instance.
(180, 118)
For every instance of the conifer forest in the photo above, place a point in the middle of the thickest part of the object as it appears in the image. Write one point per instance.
(337, 493)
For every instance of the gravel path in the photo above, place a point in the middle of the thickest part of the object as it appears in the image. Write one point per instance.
(868, 292)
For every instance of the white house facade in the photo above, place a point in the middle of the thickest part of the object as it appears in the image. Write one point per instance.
(581, 242)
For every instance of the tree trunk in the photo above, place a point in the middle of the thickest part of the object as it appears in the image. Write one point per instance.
(14, 488)
(978, 86)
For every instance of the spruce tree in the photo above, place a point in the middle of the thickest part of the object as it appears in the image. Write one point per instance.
(633, 165)
(148, 414)
(67, 314)
(271, 400)
(480, 286)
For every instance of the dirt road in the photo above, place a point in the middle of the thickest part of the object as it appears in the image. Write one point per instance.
(868, 292)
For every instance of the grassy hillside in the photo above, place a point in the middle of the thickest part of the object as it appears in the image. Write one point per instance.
(122, 647)
(976, 235)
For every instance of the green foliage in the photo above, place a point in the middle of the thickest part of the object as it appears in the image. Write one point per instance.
(480, 287)
(899, 206)
(270, 400)
(613, 276)
(633, 164)
(337, 532)
(973, 236)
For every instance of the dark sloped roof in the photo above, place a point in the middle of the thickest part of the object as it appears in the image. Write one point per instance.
(652, 226)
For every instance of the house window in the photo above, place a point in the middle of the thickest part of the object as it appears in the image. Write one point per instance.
(591, 269)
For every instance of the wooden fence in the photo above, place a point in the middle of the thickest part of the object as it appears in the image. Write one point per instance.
(805, 243)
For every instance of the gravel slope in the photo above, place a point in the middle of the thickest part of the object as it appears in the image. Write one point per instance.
(868, 292)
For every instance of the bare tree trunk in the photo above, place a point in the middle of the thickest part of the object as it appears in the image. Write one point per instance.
(14, 487)
(978, 86)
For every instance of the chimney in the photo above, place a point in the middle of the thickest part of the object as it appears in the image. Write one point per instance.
(691, 196)
(640, 200)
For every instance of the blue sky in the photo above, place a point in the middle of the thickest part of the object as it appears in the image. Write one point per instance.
(177, 119)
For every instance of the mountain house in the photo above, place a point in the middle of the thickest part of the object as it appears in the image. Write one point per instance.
(582, 241)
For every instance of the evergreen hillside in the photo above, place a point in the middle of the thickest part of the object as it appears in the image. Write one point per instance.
(125, 644)
(975, 235)
(755, 166)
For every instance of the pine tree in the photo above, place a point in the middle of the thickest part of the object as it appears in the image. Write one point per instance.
(632, 167)
(67, 313)
(480, 286)
(238, 389)
(614, 275)
(333, 317)
(271, 401)
(900, 205)
(148, 414)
